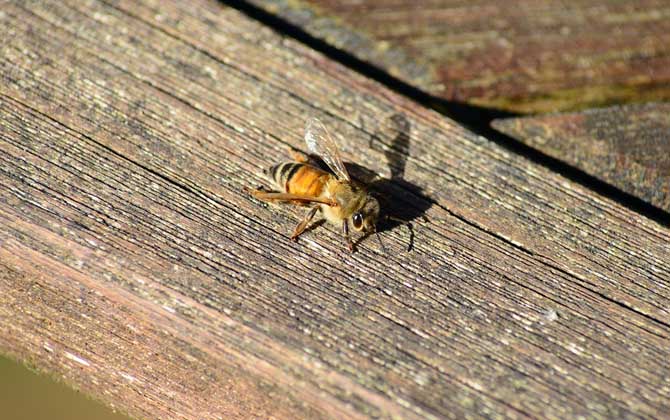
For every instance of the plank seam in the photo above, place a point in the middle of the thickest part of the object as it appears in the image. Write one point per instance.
(476, 119)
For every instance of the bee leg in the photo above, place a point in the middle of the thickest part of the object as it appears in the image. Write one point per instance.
(345, 232)
(294, 198)
(303, 224)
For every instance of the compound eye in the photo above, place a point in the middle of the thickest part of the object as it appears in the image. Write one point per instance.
(358, 221)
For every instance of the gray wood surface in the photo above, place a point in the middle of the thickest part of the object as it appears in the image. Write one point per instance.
(132, 265)
(625, 146)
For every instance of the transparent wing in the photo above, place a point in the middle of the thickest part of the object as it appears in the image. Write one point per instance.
(320, 143)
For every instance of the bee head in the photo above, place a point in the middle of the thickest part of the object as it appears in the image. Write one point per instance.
(365, 218)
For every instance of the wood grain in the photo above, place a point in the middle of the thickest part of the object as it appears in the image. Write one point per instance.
(524, 56)
(627, 146)
(135, 268)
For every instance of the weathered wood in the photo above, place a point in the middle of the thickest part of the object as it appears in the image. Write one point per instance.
(525, 55)
(134, 266)
(628, 147)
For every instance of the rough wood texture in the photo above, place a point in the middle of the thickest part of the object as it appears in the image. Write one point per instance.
(520, 55)
(628, 147)
(133, 266)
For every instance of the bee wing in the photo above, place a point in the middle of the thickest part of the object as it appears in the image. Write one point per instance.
(319, 142)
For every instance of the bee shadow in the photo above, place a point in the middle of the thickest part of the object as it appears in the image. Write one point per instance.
(401, 201)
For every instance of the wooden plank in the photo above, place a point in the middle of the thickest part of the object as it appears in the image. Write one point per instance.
(136, 269)
(524, 56)
(628, 146)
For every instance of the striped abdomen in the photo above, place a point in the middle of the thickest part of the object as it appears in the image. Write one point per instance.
(299, 178)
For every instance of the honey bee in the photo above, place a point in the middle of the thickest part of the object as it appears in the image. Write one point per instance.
(341, 200)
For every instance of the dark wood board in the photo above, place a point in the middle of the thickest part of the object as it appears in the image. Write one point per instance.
(627, 146)
(135, 268)
(525, 56)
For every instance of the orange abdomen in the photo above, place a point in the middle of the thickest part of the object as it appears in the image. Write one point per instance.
(300, 178)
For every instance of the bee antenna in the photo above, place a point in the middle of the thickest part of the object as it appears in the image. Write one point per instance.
(409, 227)
(379, 237)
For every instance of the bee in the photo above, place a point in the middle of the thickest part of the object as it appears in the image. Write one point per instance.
(341, 200)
